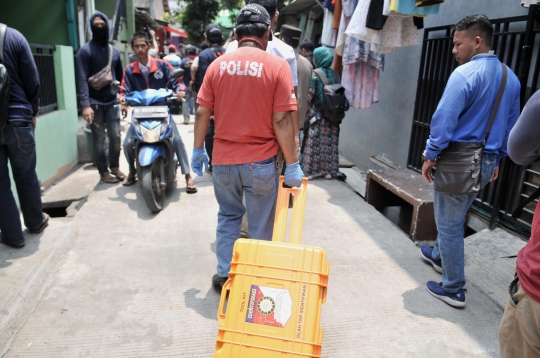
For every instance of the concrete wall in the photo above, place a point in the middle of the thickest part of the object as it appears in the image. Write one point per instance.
(386, 127)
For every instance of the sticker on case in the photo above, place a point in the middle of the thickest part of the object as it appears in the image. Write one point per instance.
(269, 306)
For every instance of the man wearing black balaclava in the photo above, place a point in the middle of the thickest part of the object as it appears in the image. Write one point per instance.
(100, 106)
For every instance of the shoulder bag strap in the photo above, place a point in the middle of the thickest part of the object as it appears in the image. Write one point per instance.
(497, 101)
(3, 29)
(319, 73)
(110, 55)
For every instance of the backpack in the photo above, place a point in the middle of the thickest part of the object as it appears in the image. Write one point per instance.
(334, 103)
(5, 83)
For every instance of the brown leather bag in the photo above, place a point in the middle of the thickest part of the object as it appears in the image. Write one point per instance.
(459, 166)
(104, 77)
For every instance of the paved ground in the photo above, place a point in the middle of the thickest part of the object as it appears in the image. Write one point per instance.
(118, 281)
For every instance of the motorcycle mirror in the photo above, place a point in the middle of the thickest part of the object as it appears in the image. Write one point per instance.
(115, 85)
(179, 72)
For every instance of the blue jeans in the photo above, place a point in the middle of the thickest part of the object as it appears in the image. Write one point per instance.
(178, 145)
(259, 182)
(450, 215)
(18, 146)
(106, 116)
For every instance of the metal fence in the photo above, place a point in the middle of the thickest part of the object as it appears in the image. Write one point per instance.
(516, 42)
(44, 58)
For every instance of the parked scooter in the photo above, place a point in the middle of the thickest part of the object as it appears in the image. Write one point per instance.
(156, 160)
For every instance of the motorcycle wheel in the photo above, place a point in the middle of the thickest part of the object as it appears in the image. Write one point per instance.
(152, 192)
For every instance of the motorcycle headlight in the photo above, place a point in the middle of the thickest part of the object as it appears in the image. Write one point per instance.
(151, 136)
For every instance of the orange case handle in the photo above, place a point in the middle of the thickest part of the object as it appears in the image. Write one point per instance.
(282, 206)
(224, 290)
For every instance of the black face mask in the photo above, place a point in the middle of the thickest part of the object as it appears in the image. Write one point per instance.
(100, 33)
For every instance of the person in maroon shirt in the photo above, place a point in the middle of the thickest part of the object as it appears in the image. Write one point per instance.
(519, 333)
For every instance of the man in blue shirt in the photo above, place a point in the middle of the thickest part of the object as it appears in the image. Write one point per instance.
(463, 115)
(18, 146)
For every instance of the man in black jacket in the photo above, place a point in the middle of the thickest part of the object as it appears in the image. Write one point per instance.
(17, 144)
(100, 107)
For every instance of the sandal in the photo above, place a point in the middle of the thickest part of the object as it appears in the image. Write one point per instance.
(41, 226)
(118, 174)
(191, 188)
(108, 178)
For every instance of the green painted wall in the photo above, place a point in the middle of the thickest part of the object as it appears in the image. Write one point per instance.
(40, 21)
(106, 7)
(56, 140)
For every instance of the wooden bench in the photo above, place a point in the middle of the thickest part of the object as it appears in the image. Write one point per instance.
(395, 188)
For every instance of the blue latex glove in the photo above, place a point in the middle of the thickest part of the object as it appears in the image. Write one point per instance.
(293, 175)
(198, 158)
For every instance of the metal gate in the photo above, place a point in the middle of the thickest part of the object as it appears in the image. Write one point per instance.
(516, 42)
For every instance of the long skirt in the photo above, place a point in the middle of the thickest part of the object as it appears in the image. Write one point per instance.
(320, 155)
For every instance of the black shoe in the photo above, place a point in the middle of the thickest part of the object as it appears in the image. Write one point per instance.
(218, 281)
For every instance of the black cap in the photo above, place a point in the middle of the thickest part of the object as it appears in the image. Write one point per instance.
(212, 30)
(292, 34)
(253, 13)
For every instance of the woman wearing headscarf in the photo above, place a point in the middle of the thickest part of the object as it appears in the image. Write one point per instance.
(320, 155)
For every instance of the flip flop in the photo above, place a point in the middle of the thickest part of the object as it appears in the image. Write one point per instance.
(41, 226)
(119, 175)
(109, 180)
(20, 246)
(129, 181)
(191, 189)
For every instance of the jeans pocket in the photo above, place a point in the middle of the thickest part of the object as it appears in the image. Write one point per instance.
(25, 138)
(264, 177)
(220, 174)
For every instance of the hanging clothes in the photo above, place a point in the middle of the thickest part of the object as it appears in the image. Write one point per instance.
(361, 51)
(421, 3)
(409, 7)
(337, 14)
(388, 12)
(348, 7)
(397, 32)
(328, 37)
(361, 82)
(328, 5)
(362, 63)
(338, 66)
(375, 18)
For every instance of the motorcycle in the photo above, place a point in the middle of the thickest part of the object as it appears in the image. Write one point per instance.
(156, 160)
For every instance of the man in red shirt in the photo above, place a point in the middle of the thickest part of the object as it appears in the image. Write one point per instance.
(251, 94)
(519, 333)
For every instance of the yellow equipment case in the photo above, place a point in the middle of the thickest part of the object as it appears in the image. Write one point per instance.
(275, 291)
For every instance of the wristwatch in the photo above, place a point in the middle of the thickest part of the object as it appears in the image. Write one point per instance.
(425, 159)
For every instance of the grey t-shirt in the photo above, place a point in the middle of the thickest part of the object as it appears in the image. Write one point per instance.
(524, 138)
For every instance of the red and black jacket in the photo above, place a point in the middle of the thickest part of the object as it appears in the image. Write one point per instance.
(158, 77)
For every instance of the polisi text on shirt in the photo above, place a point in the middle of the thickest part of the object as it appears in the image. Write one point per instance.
(236, 68)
